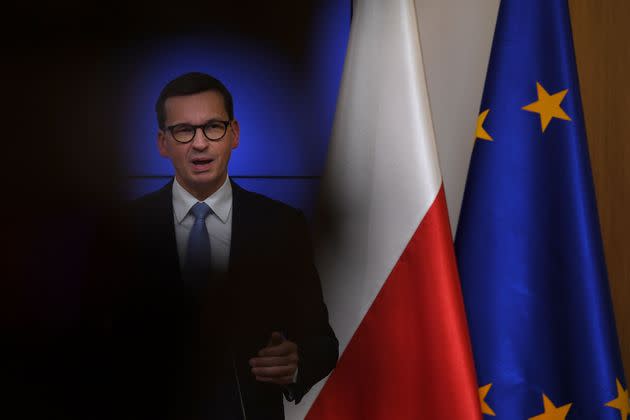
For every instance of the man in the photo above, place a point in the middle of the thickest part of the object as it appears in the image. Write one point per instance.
(224, 311)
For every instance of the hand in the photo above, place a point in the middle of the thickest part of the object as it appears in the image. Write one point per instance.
(277, 362)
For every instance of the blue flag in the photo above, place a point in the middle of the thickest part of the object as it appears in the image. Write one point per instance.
(528, 242)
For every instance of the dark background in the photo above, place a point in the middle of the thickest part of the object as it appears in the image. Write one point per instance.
(78, 132)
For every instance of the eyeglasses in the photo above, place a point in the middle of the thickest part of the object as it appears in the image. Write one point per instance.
(214, 130)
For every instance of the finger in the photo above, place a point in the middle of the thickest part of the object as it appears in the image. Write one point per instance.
(273, 361)
(274, 371)
(276, 338)
(285, 380)
(282, 349)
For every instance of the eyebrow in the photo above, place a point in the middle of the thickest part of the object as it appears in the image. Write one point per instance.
(204, 123)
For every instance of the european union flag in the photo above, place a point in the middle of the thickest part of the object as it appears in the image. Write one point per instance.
(528, 242)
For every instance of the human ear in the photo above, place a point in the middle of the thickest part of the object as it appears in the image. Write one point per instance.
(236, 133)
(161, 143)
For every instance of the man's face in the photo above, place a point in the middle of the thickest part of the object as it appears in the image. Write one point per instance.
(200, 165)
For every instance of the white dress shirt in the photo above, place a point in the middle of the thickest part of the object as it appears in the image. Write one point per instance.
(218, 223)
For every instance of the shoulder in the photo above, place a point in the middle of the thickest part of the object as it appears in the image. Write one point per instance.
(265, 206)
(151, 209)
(154, 199)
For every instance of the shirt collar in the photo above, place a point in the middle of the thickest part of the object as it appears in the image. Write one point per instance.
(220, 201)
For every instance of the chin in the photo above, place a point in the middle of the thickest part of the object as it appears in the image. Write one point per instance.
(206, 178)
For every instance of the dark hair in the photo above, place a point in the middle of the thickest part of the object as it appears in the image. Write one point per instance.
(189, 84)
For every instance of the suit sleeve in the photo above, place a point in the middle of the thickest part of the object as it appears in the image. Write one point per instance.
(317, 344)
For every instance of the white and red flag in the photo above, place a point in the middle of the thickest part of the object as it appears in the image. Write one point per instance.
(384, 247)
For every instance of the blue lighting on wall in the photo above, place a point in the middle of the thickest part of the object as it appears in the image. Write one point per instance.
(285, 108)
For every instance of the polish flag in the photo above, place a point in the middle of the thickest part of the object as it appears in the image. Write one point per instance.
(384, 247)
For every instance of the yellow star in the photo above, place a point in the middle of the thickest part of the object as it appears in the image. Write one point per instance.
(483, 392)
(552, 412)
(481, 132)
(621, 403)
(548, 106)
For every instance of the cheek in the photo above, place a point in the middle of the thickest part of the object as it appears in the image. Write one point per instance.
(225, 152)
(179, 152)
(178, 158)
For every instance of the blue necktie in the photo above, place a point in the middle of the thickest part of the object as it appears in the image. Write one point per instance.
(224, 400)
(198, 254)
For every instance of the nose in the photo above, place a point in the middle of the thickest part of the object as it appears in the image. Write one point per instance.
(199, 141)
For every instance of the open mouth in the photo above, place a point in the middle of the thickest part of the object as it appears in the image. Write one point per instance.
(201, 164)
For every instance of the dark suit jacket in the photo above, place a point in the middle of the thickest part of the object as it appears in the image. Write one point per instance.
(178, 347)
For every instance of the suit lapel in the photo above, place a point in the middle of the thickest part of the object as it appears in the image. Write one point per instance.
(242, 220)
